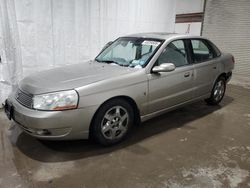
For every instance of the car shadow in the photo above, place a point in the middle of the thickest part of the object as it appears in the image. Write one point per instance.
(59, 151)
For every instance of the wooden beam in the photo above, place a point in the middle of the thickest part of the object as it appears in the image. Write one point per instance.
(191, 17)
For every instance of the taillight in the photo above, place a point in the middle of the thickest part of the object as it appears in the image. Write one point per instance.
(233, 59)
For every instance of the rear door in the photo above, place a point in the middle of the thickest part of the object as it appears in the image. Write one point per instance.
(205, 65)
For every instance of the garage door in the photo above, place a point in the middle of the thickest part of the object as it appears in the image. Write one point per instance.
(227, 23)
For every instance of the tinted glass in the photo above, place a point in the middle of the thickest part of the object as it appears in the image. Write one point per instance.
(201, 51)
(174, 53)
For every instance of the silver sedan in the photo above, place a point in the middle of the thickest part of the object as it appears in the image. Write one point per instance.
(133, 79)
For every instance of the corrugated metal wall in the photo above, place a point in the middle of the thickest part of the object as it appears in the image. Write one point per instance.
(227, 23)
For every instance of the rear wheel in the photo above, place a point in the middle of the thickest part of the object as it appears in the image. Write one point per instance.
(217, 92)
(112, 122)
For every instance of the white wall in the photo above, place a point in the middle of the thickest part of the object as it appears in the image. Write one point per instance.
(186, 7)
(193, 28)
(189, 6)
(66, 32)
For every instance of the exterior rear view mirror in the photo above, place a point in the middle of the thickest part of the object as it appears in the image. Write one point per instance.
(164, 67)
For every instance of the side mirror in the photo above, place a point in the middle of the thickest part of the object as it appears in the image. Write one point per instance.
(164, 67)
(107, 45)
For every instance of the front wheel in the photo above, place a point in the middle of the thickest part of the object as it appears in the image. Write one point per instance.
(112, 122)
(218, 92)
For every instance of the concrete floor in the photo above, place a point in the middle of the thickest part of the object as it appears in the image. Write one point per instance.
(196, 146)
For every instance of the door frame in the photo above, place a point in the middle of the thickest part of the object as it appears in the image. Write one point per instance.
(189, 65)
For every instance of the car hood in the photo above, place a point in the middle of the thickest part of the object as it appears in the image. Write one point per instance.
(70, 77)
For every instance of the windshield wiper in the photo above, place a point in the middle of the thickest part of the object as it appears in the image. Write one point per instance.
(108, 61)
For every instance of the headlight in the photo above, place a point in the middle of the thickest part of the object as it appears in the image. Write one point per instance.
(62, 100)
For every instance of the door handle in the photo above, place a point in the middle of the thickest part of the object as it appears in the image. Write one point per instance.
(214, 67)
(187, 74)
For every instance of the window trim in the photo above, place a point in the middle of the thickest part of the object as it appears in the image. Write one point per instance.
(189, 50)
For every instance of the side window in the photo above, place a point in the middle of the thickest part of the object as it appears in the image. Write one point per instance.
(174, 53)
(201, 51)
(216, 50)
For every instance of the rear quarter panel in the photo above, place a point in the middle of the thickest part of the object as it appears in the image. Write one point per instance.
(226, 63)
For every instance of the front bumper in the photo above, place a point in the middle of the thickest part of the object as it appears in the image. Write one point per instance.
(52, 125)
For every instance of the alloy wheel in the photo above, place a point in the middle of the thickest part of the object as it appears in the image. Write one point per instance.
(115, 123)
(219, 90)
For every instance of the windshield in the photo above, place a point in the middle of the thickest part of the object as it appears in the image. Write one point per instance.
(129, 52)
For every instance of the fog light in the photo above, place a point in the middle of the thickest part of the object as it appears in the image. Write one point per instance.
(43, 132)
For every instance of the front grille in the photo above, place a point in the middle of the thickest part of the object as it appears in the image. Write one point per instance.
(24, 98)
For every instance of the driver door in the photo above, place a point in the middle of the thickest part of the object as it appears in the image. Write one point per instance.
(168, 89)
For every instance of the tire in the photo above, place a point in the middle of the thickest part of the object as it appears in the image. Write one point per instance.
(112, 122)
(218, 91)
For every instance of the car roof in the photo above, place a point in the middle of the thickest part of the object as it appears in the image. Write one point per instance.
(162, 35)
